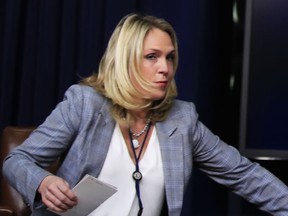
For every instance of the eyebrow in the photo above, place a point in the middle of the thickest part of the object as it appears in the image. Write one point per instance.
(158, 50)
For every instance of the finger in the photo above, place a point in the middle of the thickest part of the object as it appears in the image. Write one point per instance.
(53, 207)
(65, 189)
(53, 203)
(56, 194)
(66, 196)
(59, 200)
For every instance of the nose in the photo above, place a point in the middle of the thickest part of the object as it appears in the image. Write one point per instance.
(164, 66)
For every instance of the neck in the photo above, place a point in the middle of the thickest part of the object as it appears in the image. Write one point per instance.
(139, 116)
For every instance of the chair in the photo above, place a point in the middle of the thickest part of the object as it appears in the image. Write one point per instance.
(11, 202)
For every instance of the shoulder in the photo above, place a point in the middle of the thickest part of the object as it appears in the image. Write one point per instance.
(182, 108)
(85, 99)
(83, 94)
(82, 91)
(182, 114)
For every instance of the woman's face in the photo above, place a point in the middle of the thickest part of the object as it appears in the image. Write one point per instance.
(157, 63)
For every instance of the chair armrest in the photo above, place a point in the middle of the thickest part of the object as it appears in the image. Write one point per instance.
(6, 211)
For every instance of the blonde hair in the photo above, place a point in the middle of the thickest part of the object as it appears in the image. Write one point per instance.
(124, 53)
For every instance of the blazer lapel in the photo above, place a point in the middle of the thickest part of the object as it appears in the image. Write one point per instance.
(171, 145)
(103, 133)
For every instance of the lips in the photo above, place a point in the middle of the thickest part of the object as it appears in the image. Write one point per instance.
(162, 83)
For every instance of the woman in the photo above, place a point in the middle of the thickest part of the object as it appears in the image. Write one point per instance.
(123, 126)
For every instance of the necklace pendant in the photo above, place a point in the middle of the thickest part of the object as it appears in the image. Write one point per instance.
(135, 143)
(137, 175)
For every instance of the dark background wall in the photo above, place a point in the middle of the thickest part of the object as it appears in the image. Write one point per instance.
(47, 45)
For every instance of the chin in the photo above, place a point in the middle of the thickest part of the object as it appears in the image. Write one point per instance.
(157, 97)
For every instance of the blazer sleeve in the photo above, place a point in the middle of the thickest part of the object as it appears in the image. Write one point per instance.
(24, 166)
(225, 165)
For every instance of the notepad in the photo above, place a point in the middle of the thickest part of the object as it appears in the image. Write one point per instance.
(91, 193)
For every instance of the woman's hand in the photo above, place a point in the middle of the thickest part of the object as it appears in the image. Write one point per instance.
(56, 194)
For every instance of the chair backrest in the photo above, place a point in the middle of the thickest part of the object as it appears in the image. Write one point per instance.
(12, 137)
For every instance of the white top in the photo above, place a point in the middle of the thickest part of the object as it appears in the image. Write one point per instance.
(117, 171)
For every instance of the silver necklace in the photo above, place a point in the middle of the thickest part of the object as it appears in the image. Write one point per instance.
(137, 135)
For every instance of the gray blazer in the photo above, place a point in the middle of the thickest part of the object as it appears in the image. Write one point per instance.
(81, 127)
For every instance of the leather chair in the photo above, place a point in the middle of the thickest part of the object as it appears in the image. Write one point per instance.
(11, 202)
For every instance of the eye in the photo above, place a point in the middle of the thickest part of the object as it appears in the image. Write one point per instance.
(170, 57)
(151, 56)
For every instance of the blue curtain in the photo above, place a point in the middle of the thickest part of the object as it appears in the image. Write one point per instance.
(47, 45)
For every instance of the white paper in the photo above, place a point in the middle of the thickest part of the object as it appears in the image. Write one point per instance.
(91, 193)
